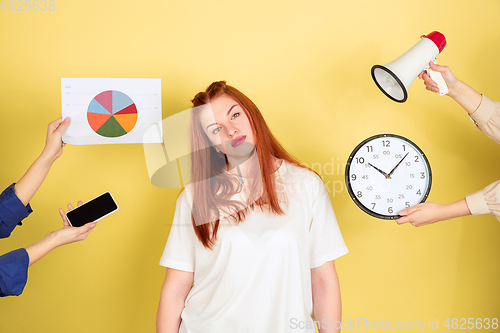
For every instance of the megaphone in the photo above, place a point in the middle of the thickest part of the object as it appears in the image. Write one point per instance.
(395, 78)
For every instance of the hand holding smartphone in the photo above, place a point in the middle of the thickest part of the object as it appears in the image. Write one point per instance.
(93, 210)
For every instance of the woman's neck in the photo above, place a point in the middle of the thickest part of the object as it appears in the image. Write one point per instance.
(243, 166)
(248, 166)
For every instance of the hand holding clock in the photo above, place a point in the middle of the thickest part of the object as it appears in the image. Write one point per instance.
(430, 212)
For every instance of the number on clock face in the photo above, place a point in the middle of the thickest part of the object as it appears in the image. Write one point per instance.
(387, 173)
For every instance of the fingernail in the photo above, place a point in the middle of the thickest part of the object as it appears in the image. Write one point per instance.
(66, 119)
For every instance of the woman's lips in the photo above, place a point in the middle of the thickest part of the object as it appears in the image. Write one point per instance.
(238, 141)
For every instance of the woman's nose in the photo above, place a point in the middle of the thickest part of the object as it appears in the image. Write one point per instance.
(231, 131)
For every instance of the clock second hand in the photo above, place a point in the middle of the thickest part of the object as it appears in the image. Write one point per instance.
(383, 173)
(392, 171)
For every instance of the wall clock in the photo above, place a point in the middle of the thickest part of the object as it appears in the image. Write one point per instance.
(387, 173)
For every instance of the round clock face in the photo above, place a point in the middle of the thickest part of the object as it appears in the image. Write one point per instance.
(387, 173)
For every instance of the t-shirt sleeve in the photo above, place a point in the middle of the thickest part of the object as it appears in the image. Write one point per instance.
(179, 251)
(13, 272)
(12, 211)
(325, 240)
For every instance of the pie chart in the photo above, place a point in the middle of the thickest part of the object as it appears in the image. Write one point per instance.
(112, 114)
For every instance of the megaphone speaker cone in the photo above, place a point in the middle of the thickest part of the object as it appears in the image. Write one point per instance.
(389, 83)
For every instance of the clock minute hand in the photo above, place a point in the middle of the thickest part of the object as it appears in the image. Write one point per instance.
(385, 175)
(392, 171)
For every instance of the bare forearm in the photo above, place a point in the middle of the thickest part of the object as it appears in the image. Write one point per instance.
(173, 295)
(27, 186)
(466, 96)
(39, 249)
(327, 309)
(31, 181)
(456, 209)
(168, 318)
(65, 235)
(327, 306)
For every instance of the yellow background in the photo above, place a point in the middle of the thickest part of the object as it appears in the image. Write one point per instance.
(306, 64)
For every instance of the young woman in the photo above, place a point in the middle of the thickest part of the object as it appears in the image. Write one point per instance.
(254, 237)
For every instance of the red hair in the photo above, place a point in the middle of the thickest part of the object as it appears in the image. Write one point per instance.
(213, 187)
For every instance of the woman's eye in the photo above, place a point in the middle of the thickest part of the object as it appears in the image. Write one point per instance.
(236, 114)
(216, 130)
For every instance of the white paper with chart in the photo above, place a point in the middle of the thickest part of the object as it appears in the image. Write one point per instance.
(109, 111)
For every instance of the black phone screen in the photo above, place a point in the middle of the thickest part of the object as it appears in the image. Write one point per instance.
(92, 210)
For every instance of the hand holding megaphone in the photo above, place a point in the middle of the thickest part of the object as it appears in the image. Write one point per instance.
(459, 91)
(446, 74)
(437, 78)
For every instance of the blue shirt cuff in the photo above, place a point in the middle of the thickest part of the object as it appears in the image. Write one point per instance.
(12, 211)
(13, 272)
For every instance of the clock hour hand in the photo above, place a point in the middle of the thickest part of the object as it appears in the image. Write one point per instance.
(392, 171)
(385, 175)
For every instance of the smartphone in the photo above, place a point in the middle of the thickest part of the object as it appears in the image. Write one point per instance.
(92, 210)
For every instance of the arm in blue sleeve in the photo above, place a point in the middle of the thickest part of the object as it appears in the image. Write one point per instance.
(13, 272)
(12, 211)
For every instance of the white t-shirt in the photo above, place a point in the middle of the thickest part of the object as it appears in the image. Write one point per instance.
(257, 278)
